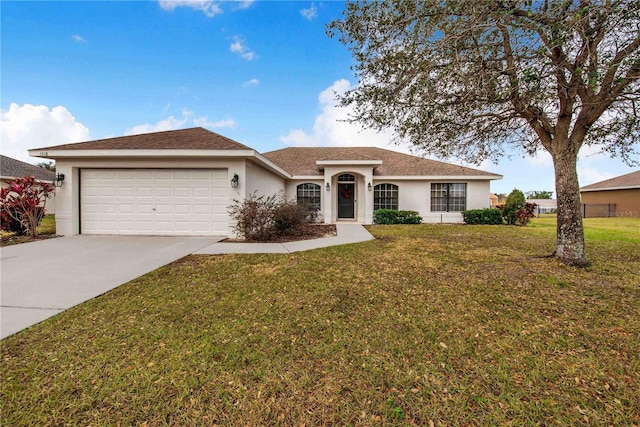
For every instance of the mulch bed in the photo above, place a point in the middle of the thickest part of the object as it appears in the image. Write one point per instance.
(308, 232)
(16, 240)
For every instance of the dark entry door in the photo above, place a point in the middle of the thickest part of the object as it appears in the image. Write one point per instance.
(346, 194)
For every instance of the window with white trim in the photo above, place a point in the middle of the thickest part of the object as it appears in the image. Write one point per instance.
(309, 194)
(385, 196)
(448, 197)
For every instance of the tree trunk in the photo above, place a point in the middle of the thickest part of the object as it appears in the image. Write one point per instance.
(570, 247)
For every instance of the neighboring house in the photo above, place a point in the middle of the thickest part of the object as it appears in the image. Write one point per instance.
(182, 183)
(11, 168)
(493, 200)
(619, 196)
(544, 206)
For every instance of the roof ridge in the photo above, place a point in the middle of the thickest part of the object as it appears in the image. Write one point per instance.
(167, 139)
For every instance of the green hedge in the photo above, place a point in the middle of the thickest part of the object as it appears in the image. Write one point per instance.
(483, 216)
(393, 216)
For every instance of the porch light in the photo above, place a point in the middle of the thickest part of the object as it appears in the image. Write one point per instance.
(235, 181)
(59, 179)
(328, 187)
(369, 187)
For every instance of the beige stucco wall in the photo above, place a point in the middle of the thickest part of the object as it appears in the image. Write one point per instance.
(262, 181)
(627, 201)
(414, 195)
(68, 196)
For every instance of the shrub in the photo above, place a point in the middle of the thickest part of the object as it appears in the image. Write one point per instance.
(393, 216)
(254, 216)
(490, 216)
(515, 202)
(262, 218)
(523, 216)
(289, 216)
(22, 205)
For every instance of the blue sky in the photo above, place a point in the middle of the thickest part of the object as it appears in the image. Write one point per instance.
(261, 72)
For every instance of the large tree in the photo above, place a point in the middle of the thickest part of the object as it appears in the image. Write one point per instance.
(467, 78)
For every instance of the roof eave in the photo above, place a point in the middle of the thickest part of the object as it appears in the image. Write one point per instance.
(374, 163)
(439, 177)
(626, 187)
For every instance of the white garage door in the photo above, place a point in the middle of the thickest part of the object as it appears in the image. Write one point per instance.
(179, 202)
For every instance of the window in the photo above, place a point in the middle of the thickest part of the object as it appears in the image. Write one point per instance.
(448, 197)
(385, 196)
(309, 194)
(346, 177)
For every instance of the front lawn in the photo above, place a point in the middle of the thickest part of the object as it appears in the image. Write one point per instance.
(426, 325)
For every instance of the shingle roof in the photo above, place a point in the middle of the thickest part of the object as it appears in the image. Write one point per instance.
(183, 139)
(301, 161)
(12, 168)
(630, 180)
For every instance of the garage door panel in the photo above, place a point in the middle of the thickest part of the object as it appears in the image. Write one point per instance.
(154, 201)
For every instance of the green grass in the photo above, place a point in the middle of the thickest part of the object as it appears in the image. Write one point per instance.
(600, 229)
(48, 225)
(442, 324)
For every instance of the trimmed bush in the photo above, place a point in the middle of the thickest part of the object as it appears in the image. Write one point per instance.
(489, 216)
(393, 216)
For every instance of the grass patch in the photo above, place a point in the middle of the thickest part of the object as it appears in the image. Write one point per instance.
(613, 229)
(450, 324)
(46, 230)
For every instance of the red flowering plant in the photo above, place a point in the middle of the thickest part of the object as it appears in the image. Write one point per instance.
(22, 204)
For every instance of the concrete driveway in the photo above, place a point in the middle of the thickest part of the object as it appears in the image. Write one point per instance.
(41, 279)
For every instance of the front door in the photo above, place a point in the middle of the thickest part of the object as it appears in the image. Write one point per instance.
(346, 205)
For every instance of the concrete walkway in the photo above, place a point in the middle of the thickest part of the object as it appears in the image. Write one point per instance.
(346, 233)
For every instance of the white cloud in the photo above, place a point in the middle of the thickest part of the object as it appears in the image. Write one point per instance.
(209, 8)
(27, 126)
(331, 129)
(78, 38)
(309, 13)
(251, 83)
(205, 122)
(540, 158)
(173, 123)
(244, 4)
(240, 47)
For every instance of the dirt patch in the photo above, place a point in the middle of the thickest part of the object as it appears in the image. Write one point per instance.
(307, 232)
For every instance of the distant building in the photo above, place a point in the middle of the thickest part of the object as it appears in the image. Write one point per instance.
(494, 200)
(544, 206)
(619, 196)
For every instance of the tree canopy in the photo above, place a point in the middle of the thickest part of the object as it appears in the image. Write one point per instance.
(539, 194)
(463, 78)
